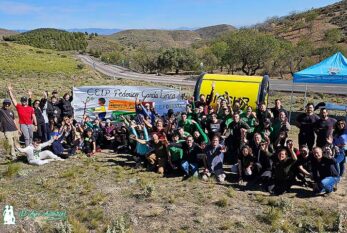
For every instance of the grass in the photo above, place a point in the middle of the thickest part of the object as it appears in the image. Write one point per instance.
(12, 170)
(222, 202)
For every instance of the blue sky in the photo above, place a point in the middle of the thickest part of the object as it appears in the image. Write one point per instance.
(129, 14)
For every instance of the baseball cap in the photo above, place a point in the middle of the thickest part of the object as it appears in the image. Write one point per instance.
(23, 99)
(6, 101)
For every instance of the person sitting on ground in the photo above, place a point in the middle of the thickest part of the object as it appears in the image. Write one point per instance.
(89, 144)
(157, 157)
(282, 172)
(244, 167)
(36, 156)
(325, 174)
(304, 166)
(214, 160)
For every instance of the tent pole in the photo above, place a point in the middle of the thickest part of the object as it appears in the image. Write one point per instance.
(291, 102)
(305, 95)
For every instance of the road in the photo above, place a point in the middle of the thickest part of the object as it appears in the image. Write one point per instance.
(275, 84)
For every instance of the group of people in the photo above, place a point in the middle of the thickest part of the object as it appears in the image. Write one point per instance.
(211, 133)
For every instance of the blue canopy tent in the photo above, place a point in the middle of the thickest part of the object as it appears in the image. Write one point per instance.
(332, 70)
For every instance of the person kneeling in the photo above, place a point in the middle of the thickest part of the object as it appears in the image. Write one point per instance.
(36, 156)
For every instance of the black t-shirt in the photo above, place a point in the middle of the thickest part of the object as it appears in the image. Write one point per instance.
(325, 168)
(276, 112)
(307, 122)
(88, 143)
(7, 120)
(324, 130)
(214, 128)
(305, 162)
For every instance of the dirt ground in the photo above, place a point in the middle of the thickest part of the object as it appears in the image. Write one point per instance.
(108, 194)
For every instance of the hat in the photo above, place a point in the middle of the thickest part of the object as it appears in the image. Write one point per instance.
(108, 121)
(6, 101)
(23, 99)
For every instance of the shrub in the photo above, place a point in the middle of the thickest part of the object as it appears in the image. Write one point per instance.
(12, 169)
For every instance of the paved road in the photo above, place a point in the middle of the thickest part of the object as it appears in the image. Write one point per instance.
(275, 85)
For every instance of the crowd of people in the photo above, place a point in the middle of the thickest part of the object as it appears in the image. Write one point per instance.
(198, 142)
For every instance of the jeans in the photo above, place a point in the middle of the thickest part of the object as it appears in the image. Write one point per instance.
(28, 133)
(340, 162)
(189, 168)
(328, 183)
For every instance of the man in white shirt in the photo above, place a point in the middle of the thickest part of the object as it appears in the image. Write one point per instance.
(35, 154)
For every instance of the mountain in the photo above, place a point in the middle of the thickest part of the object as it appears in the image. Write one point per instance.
(211, 32)
(153, 38)
(5, 32)
(100, 31)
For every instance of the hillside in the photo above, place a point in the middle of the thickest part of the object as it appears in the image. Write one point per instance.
(49, 38)
(103, 44)
(5, 32)
(317, 25)
(212, 32)
(156, 38)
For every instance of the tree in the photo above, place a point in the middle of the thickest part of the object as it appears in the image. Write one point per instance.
(219, 49)
(252, 49)
(333, 35)
(209, 60)
(145, 60)
(177, 59)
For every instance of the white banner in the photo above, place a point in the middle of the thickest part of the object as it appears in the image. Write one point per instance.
(107, 101)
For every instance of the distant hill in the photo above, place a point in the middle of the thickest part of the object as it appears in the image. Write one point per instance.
(103, 44)
(5, 32)
(212, 32)
(48, 38)
(153, 38)
(100, 31)
(315, 25)
(156, 38)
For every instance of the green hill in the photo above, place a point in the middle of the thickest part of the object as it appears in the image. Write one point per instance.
(48, 38)
(155, 39)
(212, 32)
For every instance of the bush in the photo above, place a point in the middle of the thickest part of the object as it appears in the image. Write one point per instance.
(80, 66)
(12, 169)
